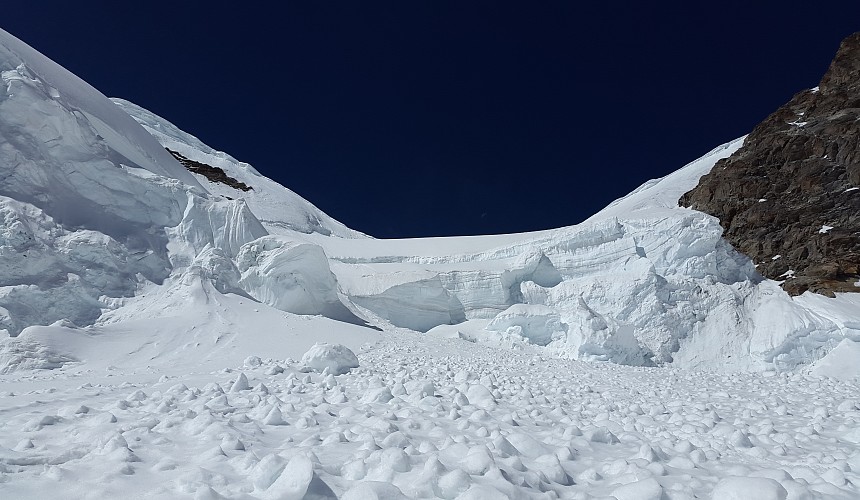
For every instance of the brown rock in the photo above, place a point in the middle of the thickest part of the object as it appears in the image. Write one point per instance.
(213, 174)
(795, 174)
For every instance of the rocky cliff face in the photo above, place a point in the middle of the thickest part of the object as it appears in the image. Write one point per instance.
(790, 197)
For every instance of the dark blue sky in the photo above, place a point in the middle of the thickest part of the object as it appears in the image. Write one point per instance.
(431, 118)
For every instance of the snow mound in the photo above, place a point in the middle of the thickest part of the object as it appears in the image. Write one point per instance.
(18, 354)
(337, 358)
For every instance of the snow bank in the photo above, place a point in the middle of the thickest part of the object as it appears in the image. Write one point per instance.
(423, 292)
(96, 212)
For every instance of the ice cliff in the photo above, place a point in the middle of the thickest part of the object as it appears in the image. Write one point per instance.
(101, 225)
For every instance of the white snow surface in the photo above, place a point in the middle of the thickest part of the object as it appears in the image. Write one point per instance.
(841, 362)
(149, 332)
(418, 419)
(280, 210)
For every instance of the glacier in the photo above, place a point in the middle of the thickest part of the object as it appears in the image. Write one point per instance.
(169, 335)
(96, 210)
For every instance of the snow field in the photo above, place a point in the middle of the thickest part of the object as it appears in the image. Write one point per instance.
(447, 419)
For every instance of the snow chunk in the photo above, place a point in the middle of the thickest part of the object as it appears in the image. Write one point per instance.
(336, 357)
(241, 384)
(267, 471)
(479, 395)
(374, 490)
(646, 489)
(291, 276)
(539, 324)
(843, 362)
(742, 488)
(482, 492)
(293, 481)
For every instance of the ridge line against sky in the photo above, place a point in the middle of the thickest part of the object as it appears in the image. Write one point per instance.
(447, 118)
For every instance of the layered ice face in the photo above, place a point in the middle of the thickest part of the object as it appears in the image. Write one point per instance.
(176, 337)
(96, 212)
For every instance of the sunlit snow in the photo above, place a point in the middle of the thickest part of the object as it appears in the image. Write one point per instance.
(163, 336)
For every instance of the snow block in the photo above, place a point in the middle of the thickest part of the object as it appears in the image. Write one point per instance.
(843, 362)
(291, 276)
(539, 324)
(374, 490)
(744, 488)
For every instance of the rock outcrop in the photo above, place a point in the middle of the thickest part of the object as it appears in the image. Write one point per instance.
(790, 197)
(213, 174)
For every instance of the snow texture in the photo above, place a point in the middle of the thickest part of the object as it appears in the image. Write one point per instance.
(457, 419)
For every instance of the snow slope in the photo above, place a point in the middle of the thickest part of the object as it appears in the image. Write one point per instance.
(280, 210)
(52, 91)
(95, 209)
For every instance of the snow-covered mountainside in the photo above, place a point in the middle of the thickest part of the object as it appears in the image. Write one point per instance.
(160, 329)
(278, 209)
(95, 208)
(643, 282)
